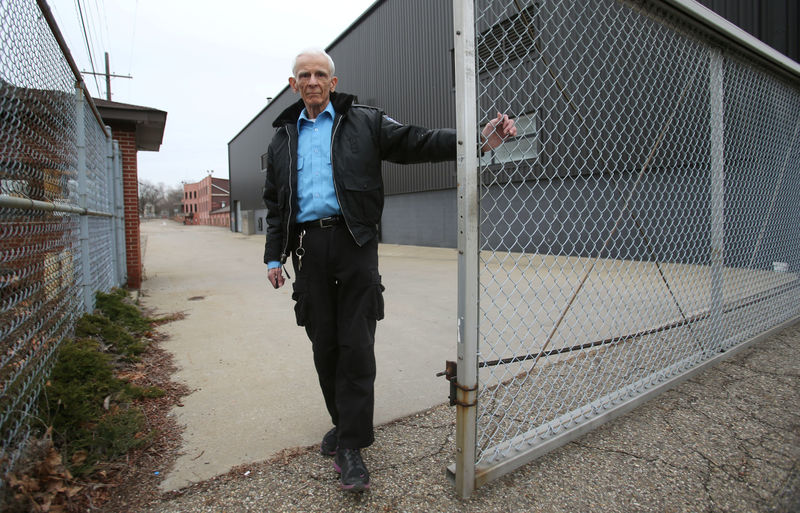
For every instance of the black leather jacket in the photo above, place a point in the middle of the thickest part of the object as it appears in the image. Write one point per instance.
(362, 137)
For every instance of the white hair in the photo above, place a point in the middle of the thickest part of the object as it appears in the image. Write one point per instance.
(313, 51)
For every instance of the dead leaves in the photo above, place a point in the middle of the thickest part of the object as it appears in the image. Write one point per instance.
(47, 487)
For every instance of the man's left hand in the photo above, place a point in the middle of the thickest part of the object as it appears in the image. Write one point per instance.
(496, 131)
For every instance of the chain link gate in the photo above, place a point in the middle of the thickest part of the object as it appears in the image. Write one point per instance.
(642, 224)
(61, 226)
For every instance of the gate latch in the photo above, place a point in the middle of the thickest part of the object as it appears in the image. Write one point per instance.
(451, 374)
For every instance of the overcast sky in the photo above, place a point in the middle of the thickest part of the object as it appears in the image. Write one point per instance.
(210, 65)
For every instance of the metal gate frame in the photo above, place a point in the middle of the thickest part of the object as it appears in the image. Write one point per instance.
(467, 475)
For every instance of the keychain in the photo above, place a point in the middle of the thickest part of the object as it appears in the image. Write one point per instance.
(300, 252)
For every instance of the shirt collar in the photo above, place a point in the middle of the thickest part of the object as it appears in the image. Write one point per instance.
(328, 109)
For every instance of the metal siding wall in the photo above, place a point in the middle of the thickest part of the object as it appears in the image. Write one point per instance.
(774, 22)
(245, 150)
(422, 219)
(398, 59)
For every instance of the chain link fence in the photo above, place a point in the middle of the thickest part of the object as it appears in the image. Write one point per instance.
(641, 225)
(60, 186)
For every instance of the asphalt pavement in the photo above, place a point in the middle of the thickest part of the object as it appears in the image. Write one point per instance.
(727, 439)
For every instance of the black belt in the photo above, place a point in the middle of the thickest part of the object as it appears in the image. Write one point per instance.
(325, 222)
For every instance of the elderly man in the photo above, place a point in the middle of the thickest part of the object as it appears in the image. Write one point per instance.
(324, 195)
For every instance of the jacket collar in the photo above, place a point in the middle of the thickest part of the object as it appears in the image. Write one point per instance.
(341, 104)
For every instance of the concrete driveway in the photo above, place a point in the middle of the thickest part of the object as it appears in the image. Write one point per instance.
(255, 391)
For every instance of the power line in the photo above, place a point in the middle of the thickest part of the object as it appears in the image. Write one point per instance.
(108, 76)
(96, 31)
(88, 45)
(102, 21)
(100, 37)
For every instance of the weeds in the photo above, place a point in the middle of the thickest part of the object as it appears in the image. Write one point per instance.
(120, 341)
(116, 307)
(90, 410)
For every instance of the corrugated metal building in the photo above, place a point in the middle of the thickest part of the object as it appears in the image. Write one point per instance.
(399, 56)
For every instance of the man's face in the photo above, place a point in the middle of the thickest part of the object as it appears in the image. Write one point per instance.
(314, 82)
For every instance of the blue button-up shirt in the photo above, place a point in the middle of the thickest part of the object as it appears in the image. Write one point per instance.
(316, 195)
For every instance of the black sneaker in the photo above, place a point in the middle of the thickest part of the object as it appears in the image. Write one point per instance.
(329, 443)
(349, 464)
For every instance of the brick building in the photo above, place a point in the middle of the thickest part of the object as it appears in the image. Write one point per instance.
(207, 201)
(136, 128)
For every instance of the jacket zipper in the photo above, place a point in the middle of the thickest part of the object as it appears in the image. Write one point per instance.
(285, 252)
(335, 187)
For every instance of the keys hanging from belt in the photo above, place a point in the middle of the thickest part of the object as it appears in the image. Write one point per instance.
(300, 251)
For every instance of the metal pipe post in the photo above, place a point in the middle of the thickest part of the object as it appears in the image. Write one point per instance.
(110, 194)
(119, 218)
(87, 297)
(468, 245)
(717, 101)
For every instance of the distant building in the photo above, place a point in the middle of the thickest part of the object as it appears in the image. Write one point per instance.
(207, 201)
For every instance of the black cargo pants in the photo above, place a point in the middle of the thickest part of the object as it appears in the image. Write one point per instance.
(339, 299)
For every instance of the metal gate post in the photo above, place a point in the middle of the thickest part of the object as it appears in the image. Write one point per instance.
(468, 245)
(115, 200)
(111, 189)
(87, 298)
(119, 217)
(717, 101)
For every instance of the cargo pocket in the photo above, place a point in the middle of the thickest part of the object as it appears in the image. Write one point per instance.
(376, 300)
(300, 297)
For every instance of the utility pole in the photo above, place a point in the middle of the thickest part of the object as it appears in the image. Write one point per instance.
(108, 76)
(108, 80)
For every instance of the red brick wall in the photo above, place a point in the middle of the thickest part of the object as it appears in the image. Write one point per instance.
(126, 135)
(201, 198)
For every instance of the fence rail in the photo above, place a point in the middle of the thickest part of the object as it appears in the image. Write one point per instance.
(60, 210)
(642, 225)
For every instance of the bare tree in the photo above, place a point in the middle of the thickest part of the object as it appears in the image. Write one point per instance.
(173, 198)
(166, 200)
(149, 193)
